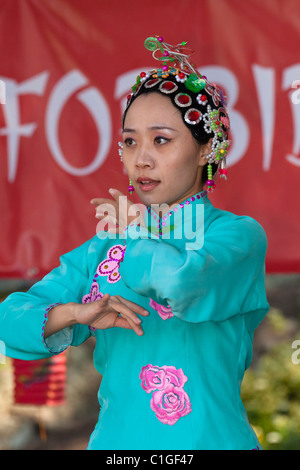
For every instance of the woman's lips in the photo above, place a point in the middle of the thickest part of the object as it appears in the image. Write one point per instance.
(147, 184)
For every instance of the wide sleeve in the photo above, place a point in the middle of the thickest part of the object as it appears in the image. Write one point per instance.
(224, 278)
(23, 315)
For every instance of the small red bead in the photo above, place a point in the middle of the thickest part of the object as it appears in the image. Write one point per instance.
(194, 115)
(183, 99)
(152, 82)
(168, 86)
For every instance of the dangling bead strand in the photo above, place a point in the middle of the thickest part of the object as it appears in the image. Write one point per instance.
(223, 171)
(130, 187)
(210, 182)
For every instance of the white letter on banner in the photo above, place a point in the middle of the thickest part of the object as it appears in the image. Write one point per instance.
(35, 86)
(265, 85)
(95, 103)
(296, 94)
(239, 127)
(290, 75)
(2, 92)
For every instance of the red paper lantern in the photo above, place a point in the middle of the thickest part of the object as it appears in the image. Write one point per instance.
(40, 382)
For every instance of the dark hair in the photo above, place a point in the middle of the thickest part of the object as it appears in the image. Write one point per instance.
(198, 132)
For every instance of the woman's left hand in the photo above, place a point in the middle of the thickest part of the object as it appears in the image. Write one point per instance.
(118, 213)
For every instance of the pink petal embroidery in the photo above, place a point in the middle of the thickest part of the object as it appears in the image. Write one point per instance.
(164, 312)
(170, 404)
(110, 266)
(158, 378)
(116, 252)
(93, 295)
(169, 400)
(153, 378)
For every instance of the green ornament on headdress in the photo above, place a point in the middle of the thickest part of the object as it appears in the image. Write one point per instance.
(194, 83)
(138, 81)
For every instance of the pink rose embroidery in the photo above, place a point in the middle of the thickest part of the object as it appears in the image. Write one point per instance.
(110, 266)
(153, 378)
(170, 404)
(169, 400)
(159, 378)
(93, 295)
(164, 312)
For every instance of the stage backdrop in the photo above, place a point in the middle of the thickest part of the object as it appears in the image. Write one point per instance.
(67, 67)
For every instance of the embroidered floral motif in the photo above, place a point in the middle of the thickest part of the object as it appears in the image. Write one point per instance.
(164, 312)
(93, 295)
(159, 378)
(170, 404)
(110, 266)
(169, 400)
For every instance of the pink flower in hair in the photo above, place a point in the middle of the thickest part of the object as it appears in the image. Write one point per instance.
(225, 122)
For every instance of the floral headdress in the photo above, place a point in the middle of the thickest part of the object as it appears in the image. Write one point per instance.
(200, 102)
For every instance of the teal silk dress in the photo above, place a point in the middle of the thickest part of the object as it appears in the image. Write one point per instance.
(200, 273)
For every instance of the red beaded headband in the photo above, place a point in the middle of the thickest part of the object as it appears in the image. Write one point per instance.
(201, 103)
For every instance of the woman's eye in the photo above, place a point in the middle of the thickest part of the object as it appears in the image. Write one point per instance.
(129, 142)
(161, 140)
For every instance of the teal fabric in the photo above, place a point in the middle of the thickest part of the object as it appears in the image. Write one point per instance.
(201, 275)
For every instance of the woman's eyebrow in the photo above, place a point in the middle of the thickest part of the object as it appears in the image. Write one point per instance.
(152, 128)
(162, 127)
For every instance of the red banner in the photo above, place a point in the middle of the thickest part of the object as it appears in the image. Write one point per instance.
(66, 67)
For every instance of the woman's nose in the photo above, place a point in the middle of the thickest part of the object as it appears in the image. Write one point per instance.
(144, 158)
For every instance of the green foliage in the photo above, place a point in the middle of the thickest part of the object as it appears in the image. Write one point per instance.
(271, 394)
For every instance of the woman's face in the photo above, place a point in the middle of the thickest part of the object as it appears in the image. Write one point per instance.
(162, 158)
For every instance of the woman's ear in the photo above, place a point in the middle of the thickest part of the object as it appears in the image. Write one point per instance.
(204, 151)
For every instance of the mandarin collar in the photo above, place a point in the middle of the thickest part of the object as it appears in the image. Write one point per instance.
(172, 220)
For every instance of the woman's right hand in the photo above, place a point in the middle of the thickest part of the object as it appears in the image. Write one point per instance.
(109, 312)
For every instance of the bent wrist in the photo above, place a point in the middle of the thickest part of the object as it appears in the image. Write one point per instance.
(59, 317)
(71, 313)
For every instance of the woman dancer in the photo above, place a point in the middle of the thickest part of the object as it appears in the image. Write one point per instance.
(173, 295)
